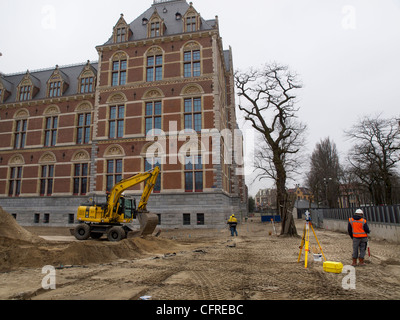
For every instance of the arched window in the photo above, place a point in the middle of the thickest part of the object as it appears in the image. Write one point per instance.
(154, 64)
(119, 69)
(191, 60)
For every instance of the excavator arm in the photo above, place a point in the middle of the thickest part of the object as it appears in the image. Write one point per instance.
(116, 192)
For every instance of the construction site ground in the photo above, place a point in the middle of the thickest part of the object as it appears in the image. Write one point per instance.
(186, 264)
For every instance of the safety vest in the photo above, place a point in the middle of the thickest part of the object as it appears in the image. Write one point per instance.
(358, 228)
(232, 220)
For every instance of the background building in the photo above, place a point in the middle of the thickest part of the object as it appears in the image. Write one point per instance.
(161, 94)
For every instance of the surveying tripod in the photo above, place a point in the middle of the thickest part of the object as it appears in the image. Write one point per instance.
(306, 240)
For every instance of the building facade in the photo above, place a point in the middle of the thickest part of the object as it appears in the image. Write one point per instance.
(160, 94)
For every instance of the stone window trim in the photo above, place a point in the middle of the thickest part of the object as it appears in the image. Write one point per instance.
(154, 64)
(191, 60)
(119, 69)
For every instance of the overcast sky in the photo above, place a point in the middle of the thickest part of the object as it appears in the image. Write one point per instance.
(347, 53)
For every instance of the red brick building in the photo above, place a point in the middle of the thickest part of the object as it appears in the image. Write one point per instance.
(161, 93)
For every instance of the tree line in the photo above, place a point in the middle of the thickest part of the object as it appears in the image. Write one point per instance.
(368, 175)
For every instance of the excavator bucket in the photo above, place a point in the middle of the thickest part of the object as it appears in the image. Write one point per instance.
(148, 223)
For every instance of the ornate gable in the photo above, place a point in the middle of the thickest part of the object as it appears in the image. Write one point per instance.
(156, 26)
(57, 84)
(28, 87)
(191, 20)
(121, 32)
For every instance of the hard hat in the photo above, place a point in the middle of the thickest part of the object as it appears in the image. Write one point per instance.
(359, 212)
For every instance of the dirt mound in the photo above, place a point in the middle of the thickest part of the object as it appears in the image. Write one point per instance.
(10, 229)
(15, 254)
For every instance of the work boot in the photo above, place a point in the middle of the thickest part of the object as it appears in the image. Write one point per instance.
(354, 264)
(361, 262)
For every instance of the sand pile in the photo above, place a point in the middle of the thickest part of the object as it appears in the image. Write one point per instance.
(22, 249)
(10, 229)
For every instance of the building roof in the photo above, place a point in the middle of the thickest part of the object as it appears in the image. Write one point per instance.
(70, 74)
(167, 10)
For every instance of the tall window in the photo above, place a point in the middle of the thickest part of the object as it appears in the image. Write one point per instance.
(119, 73)
(50, 132)
(25, 93)
(155, 29)
(87, 85)
(154, 68)
(190, 24)
(121, 33)
(114, 173)
(192, 63)
(193, 114)
(55, 89)
(116, 122)
(20, 134)
(153, 115)
(83, 128)
(46, 180)
(81, 172)
(193, 174)
(14, 189)
(151, 163)
(1, 95)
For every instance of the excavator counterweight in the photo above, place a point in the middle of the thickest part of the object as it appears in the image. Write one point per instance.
(113, 217)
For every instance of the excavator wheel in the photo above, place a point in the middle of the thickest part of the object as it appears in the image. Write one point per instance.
(82, 231)
(116, 234)
(148, 223)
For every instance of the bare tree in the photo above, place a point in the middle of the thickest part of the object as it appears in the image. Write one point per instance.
(325, 171)
(271, 109)
(375, 155)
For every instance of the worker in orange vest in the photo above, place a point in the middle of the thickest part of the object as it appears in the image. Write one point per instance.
(358, 230)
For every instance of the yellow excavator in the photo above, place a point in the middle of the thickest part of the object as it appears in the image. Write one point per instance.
(111, 218)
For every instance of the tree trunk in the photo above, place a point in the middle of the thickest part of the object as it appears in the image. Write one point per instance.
(285, 207)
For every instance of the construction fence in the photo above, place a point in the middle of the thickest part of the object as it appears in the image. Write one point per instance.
(384, 221)
(377, 214)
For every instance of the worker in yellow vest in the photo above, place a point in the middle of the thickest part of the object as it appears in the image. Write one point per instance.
(232, 225)
(358, 230)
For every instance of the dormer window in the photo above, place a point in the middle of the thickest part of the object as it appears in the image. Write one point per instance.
(25, 93)
(156, 26)
(55, 89)
(87, 79)
(87, 85)
(191, 20)
(121, 34)
(57, 84)
(27, 88)
(191, 24)
(122, 31)
(155, 29)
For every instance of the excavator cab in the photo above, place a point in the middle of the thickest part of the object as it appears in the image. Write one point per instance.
(127, 208)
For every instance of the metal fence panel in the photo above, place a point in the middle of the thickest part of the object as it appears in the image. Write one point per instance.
(376, 214)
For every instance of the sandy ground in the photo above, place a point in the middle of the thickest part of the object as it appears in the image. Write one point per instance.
(193, 265)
